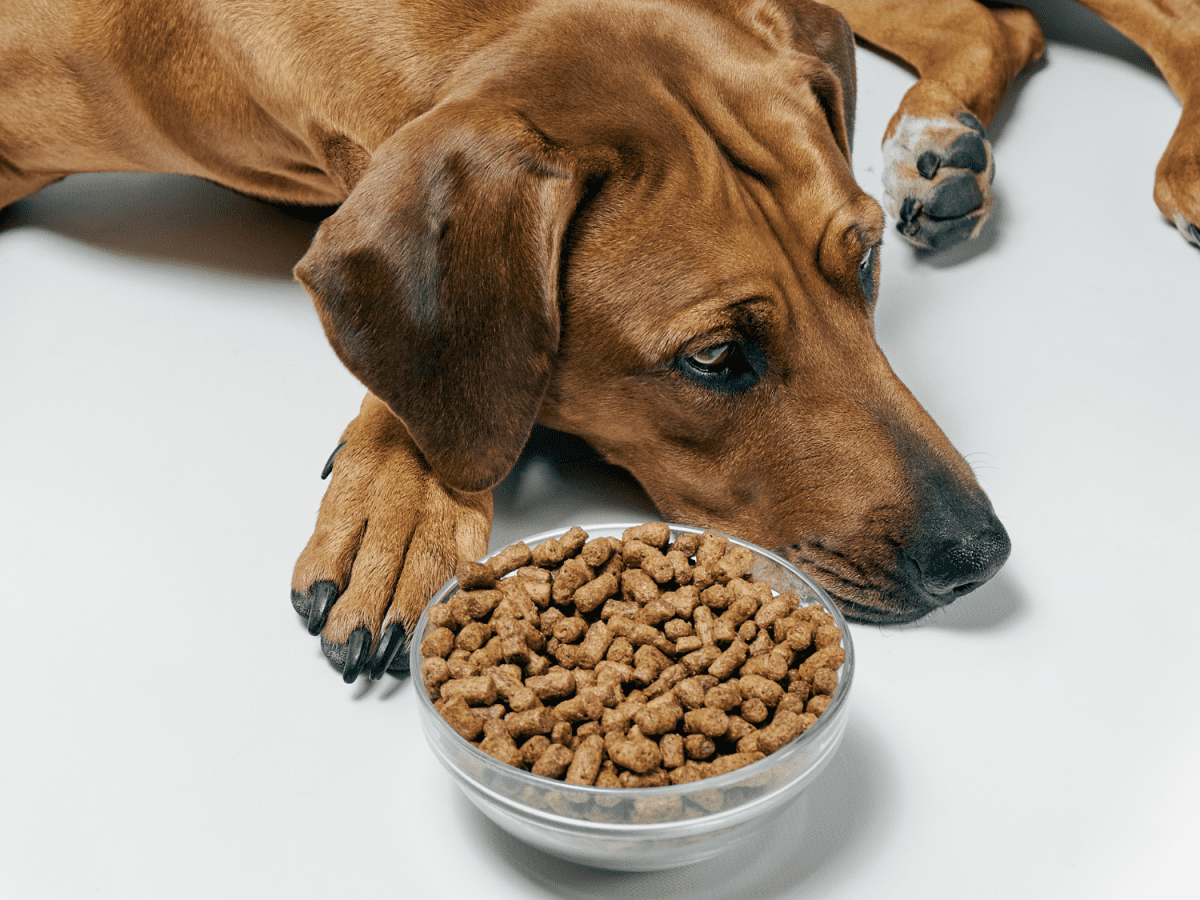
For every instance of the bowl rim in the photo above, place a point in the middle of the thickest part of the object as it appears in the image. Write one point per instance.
(828, 720)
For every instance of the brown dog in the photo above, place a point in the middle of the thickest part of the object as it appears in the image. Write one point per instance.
(631, 220)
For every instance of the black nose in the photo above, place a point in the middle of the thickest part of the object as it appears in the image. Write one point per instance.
(960, 556)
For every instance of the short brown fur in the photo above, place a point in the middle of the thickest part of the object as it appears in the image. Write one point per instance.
(547, 209)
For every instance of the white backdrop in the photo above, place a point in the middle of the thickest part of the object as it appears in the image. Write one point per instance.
(167, 400)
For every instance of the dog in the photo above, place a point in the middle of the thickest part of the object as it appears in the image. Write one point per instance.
(634, 221)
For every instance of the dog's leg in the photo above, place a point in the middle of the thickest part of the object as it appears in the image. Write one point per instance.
(14, 185)
(388, 535)
(1169, 32)
(938, 164)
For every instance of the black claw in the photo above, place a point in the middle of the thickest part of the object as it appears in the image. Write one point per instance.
(971, 122)
(967, 151)
(358, 651)
(954, 197)
(324, 595)
(928, 164)
(325, 472)
(387, 656)
(1193, 234)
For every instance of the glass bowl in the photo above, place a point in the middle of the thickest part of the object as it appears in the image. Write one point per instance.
(649, 828)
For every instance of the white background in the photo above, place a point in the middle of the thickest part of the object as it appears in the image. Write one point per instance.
(167, 400)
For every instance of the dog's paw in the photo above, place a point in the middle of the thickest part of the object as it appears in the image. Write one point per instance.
(1177, 180)
(938, 179)
(388, 535)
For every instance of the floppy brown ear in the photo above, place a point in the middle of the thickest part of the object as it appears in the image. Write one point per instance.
(823, 32)
(436, 282)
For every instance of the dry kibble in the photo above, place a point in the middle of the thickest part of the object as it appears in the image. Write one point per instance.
(818, 704)
(754, 711)
(510, 559)
(498, 742)
(730, 660)
(478, 690)
(585, 764)
(627, 663)
(699, 746)
(656, 534)
(824, 681)
(553, 762)
(472, 636)
(724, 697)
(438, 642)
(671, 746)
(707, 721)
(596, 552)
(539, 720)
(591, 595)
(549, 552)
(472, 575)
(462, 718)
(574, 574)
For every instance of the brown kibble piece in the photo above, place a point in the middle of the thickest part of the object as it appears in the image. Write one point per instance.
(592, 595)
(736, 563)
(754, 711)
(725, 764)
(723, 697)
(756, 687)
(574, 574)
(818, 704)
(671, 746)
(476, 691)
(510, 559)
(435, 672)
(549, 552)
(698, 746)
(656, 534)
(438, 642)
(730, 660)
(585, 765)
(555, 684)
(824, 681)
(554, 761)
(532, 749)
(539, 720)
(596, 552)
(473, 575)
(498, 742)
(462, 718)
(710, 722)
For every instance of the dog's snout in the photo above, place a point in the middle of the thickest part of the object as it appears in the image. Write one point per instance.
(961, 553)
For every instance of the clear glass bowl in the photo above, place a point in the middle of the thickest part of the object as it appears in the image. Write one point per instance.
(644, 829)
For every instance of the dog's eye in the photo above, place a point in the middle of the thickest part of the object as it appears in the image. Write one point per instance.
(713, 357)
(729, 368)
(866, 272)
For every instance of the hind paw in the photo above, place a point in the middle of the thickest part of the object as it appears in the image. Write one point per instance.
(938, 178)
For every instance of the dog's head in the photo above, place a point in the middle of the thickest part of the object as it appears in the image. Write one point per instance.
(655, 241)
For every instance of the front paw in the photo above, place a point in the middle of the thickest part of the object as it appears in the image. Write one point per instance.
(1177, 180)
(938, 179)
(388, 535)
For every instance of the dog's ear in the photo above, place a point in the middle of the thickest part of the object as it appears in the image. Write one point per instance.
(436, 282)
(822, 32)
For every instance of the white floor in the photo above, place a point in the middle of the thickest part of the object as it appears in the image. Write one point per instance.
(171, 731)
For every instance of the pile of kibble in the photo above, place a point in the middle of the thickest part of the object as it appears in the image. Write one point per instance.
(636, 662)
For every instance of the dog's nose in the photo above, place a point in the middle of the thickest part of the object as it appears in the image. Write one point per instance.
(960, 555)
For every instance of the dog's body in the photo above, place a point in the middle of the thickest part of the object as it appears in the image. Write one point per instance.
(632, 220)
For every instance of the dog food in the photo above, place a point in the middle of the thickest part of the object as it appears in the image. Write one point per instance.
(627, 663)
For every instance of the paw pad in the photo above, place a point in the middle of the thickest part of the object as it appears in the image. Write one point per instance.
(938, 175)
